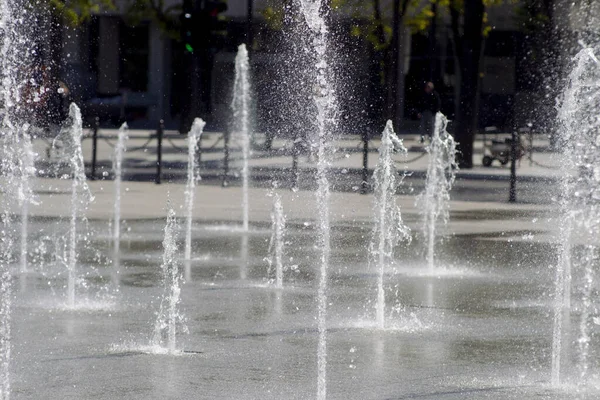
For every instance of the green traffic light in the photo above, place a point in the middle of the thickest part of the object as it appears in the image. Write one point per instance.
(189, 47)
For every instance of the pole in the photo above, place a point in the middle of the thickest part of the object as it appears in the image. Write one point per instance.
(159, 137)
(512, 194)
(365, 166)
(95, 147)
(249, 31)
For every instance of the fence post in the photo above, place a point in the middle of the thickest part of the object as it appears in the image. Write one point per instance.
(365, 165)
(95, 146)
(159, 137)
(512, 194)
(225, 182)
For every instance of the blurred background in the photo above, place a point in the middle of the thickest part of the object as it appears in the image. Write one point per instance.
(493, 62)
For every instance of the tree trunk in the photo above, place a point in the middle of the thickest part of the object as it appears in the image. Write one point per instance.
(469, 59)
(432, 60)
(393, 69)
(551, 42)
(391, 75)
(376, 71)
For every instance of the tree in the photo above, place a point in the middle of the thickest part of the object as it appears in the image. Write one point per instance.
(58, 14)
(196, 24)
(468, 44)
(380, 24)
(167, 17)
(70, 13)
(385, 36)
(543, 47)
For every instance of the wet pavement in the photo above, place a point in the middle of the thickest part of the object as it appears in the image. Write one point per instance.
(479, 326)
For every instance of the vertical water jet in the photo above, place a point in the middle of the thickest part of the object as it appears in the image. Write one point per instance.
(18, 90)
(68, 146)
(25, 192)
(580, 211)
(168, 316)
(241, 121)
(192, 177)
(117, 167)
(315, 13)
(276, 244)
(434, 202)
(389, 228)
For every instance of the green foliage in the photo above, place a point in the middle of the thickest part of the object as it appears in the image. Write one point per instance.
(273, 17)
(532, 16)
(420, 19)
(457, 8)
(378, 31)
(74, 12)
(416, 15)
(166, 17)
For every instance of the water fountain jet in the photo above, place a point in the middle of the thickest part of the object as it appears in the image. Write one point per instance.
(434, 202)
(389, 228)
(168, 316)
(241, 117)
(194, 136)
(68, 145)
(276, 243)
(25, 192)
(580, 212)
(117, 167)
(315, 13)
(15, 43)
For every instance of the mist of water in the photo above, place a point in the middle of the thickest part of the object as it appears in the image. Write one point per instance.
(192, 177)
(241, 116)
(580, 210)
(434, 202)
(168, 316)
(68, 146)
(389, 228)
(315, 14)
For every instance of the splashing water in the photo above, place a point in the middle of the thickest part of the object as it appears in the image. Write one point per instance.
(25, 192)
(277, 242)
(192, 177)
(580, 208)
(68, 147)
(169, 317)
(389, 228)
(315, 13)
(434, 201)
(241, 117)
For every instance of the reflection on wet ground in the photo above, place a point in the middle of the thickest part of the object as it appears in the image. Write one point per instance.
(479, 326)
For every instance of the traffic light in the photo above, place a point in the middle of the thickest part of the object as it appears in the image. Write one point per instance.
(188, 26)
(214, 8)
(202, 24)
(216, 24)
